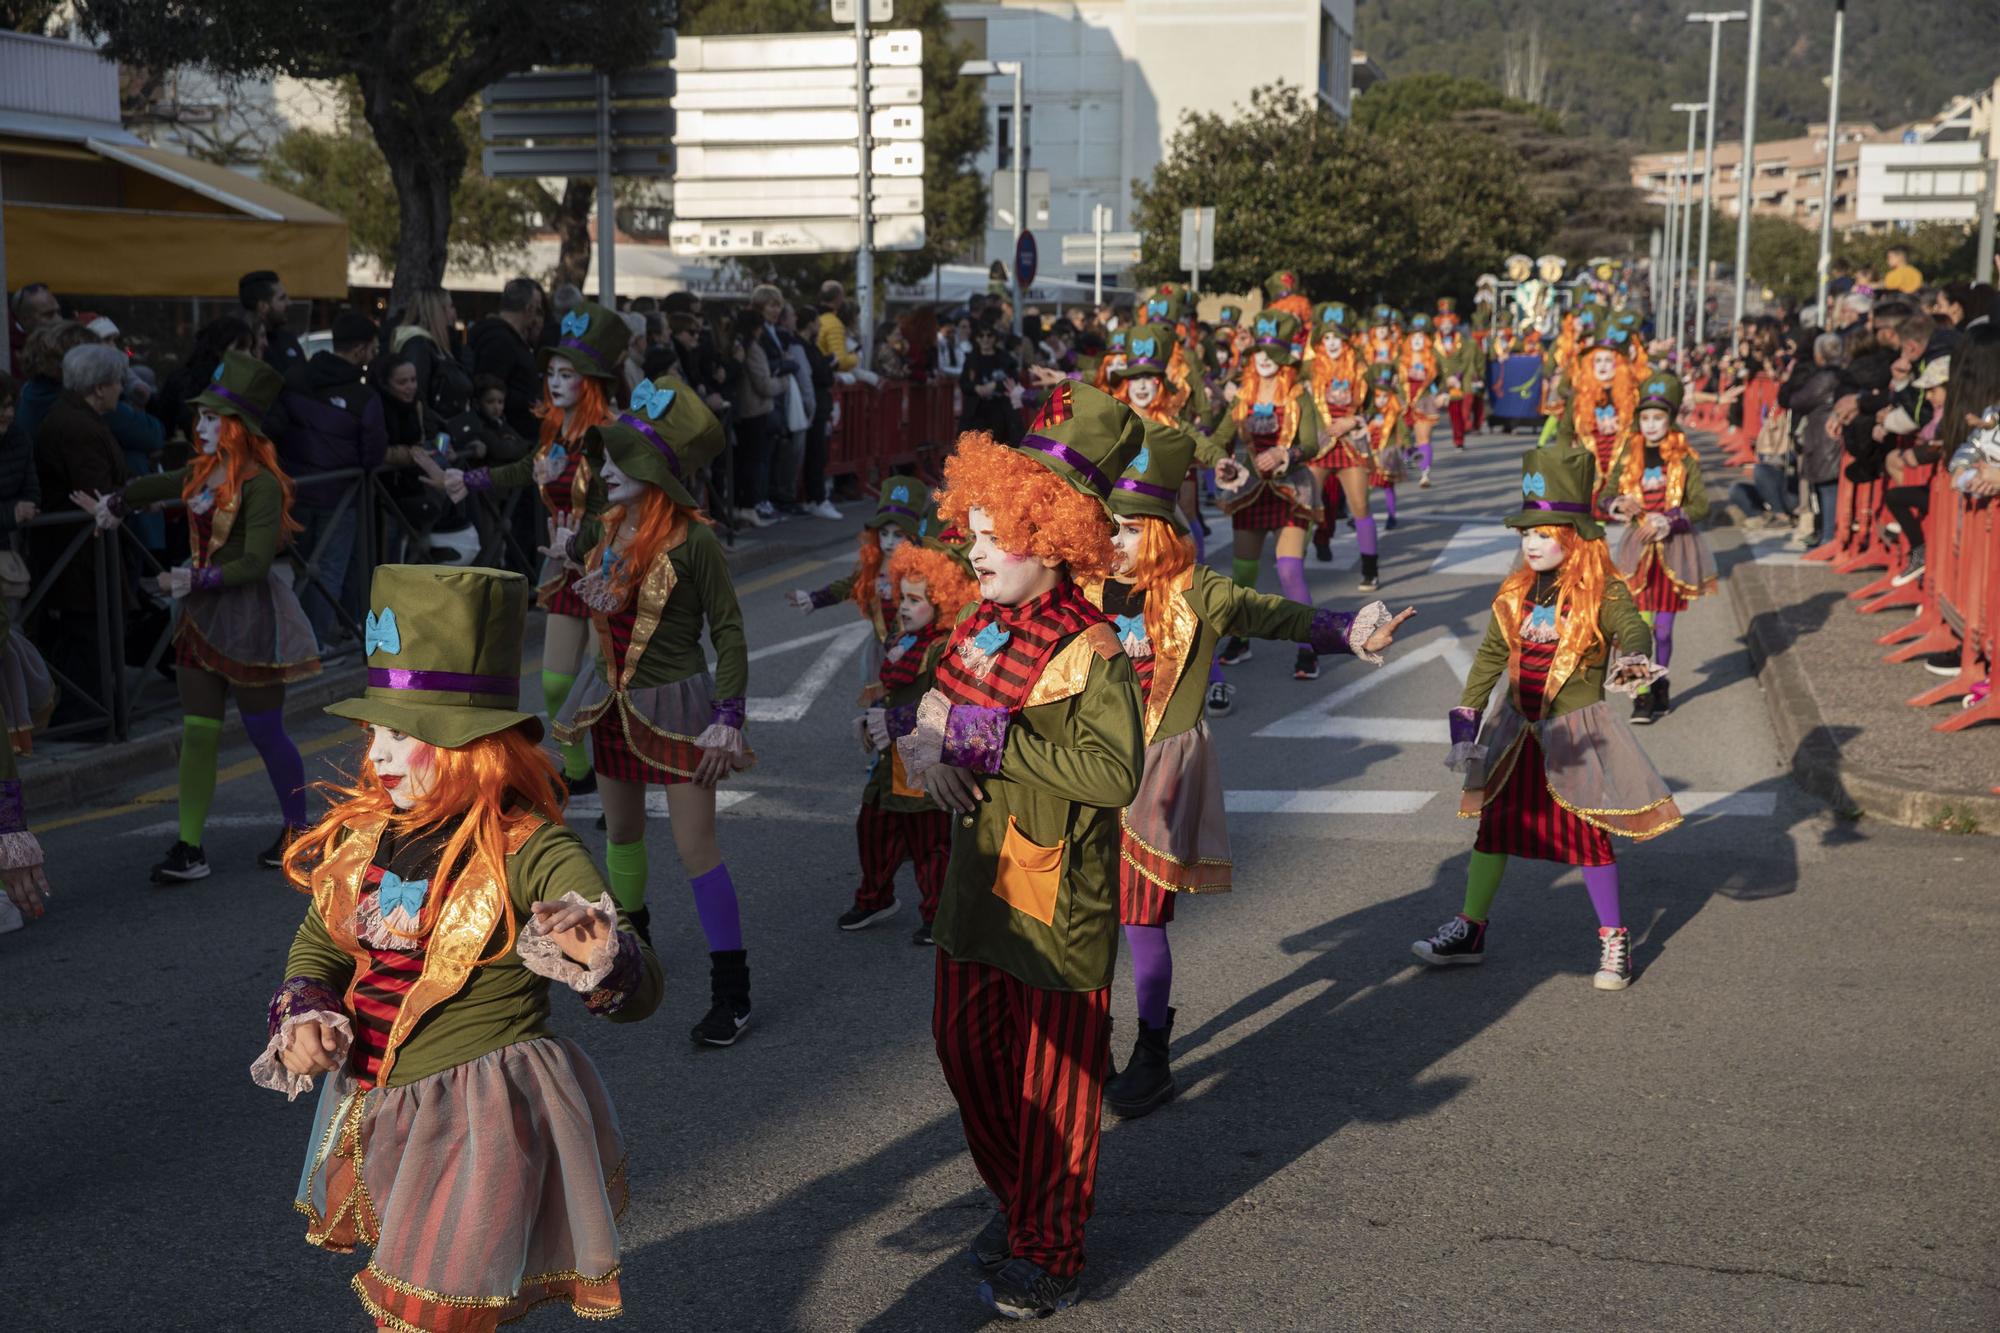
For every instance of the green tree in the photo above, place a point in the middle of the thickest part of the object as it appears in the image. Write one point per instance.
(954, 131)
(417, 63)
(1427, 99)
(1402, 216)
(1585, 180)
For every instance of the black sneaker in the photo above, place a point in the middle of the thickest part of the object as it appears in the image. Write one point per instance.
(1642, 708)
(1391, 524)
(729, 991)
(642, 923)
(1323, 551)
(989, 1248)
(273, 857)
(1024, 1290)
(921, 936)
(1911, 572)
(1221, 698)
(1234, 650)
(860, 918)
(583, 786)
(1946, 663)
(1457, 942)
(1662, 705)
(184, 862)
(1371, 573)
(1307, 665)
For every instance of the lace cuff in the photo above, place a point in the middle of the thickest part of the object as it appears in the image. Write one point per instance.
(1464, 723)
(728, 713)
(628, 969)
(975, 738)
(1632, 672)
(901, 720)
(923, 747)
(477, 479)
(823, 598)
(299, 1000)
(541, 954)
(1677, 522)
(720, 736)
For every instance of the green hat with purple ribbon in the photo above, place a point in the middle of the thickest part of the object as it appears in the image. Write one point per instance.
(242, 387)
(1555, 488)
(591, 338)
(1086, 437)
(1150, 486)
(902, 501)
(1147, 352)
(666, 437)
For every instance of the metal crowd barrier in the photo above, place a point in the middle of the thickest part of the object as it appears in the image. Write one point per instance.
(894, 426)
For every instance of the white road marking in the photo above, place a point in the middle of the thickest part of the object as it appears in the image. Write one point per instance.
(1479, 550)
(796, 702)
(1316, 720)
(1363, 801)
(1397, 730)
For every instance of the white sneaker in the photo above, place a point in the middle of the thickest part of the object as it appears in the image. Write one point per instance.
(1614, 958)
(750, 518)
(1425, 479)
(825, 509)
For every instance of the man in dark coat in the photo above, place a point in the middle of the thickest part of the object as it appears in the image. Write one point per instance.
(333, 422)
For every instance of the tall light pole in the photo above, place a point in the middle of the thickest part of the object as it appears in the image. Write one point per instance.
(1714, 22)
(988, 69)
(864, 253)
(1832, 146)
(1694, 110)
(1667, 269)
(1746, 188)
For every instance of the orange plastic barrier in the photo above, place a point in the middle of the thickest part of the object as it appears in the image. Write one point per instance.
(1960, 600)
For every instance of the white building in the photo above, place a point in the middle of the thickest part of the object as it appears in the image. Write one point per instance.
(1105, 83)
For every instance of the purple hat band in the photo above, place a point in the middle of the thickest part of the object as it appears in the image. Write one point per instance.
(256, 412)
(1137, 487)
(444, 682)
(1058, 450)
(1559, 506)
(639, 424)
(898, 509)
(578, 345)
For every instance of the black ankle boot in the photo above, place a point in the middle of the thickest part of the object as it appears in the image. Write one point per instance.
(1660, 703)
(642, 923)
(1323, 550)
(1371, 572)
(1147, 1082)
(729, 993)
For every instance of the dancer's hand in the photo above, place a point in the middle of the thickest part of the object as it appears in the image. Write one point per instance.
(1654, 527)
(312, 1049)
(98, 506)
(562, 545)
(27, 888)
(1273, 462)
(1230, 474)
(799, 600)
(1343, 425)
(1622, 508)
(177, 582)
(1045, 377)
(952, 788)
(1382, 639)
(577, 927)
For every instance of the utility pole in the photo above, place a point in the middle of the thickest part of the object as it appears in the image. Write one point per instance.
(1099, 215)
(1746, 188)
(1020, 196)
(607, 209)
(1694, 110)
(1714, 22)
(1832, 146)
(864, 256)
(1668, 267)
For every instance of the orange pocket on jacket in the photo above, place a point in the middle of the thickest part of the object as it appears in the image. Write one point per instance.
(899, 781)
(1029, 875)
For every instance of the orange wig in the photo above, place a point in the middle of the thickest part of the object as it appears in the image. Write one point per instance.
(1673, 452)
(1581, 581)
(947, 585)
(1164, 556)
(866, 570)
(1623, 392)
(1034, 511)
(241, 454)
(594, 407)
(659, 523)
(488, 785)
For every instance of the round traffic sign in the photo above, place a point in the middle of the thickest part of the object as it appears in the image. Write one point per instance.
(1026, 260)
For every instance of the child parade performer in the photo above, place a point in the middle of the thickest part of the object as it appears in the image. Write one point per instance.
(1337, 377)
(1388, 440)
(1555, 770)
(901, 507)
(1418, 367)
(1602, 399)
(1276, 492)
(580, 386)
(1463, 364)
(653, 575)
(1031, 738)
(240, 628)
(1654, 487)
(897, 821)
(1170, 612)
(475, 1153)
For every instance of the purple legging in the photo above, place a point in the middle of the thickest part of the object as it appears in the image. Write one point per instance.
(1601, 883)
(282, 763)
(1424, 457)
(1152, 972)
(1663, 636)
(1200, 543)
(1292, 579)
(1364, 534)
(1389, 500)
(715, 904)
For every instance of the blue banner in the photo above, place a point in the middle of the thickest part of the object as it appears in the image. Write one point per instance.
(1517, 388)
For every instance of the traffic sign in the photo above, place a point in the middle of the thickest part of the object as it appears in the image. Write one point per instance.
(1079, 248)
(791, 236)
(563, 85)
(580, 160)
(1197, 239)
(1001, 200)
(627, 122)
(753, 89)
(1026, 258)
(812, 197)
(889, 124)
(879, 11)
(758, 161)
(804, 50)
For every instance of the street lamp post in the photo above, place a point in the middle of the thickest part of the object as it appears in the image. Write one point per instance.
(1714, 22)
(989, 69)
(1746, 188)
(1694, 110)
(1832, 147)
(1667, 269)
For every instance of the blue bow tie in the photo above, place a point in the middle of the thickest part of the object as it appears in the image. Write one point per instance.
(1264, 410)
(575, 324)
(1653, 476)
(1534, 484)
(558, 455)
(1542, 617)
(991, 640)
(907, 642)
(406, 894)
(381, 633)
(1132, 627)
(651, 399)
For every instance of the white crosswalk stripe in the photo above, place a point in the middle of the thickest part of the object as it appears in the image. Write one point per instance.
(1380, 801)
(1479, 550)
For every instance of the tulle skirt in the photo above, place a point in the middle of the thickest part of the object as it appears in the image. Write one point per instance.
(252, 634)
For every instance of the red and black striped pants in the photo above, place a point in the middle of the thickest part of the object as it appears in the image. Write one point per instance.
(1461, 410)
(1027, 1068)
(888, 838)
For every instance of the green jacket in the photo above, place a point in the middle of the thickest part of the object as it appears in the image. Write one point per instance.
(1047, 832)
(256, 530)
(1570, 686)
(702, 591)
(1467, 362)
(1685, 492)
(1212, 447)
(494, 1005)
(881, 789)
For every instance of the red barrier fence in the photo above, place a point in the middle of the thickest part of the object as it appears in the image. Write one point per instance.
(1760, 399)
(890, 427)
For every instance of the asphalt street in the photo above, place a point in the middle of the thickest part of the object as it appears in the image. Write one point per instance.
(1785, 1123)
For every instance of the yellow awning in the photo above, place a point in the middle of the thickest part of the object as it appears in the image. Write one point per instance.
(190, 228)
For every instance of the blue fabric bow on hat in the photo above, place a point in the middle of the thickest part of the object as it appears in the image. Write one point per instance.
(651, 399)
(1534, 484)
(1142, 461)
(380, 634)
(1267, 328)
(402, 895)
(1542, 618)
(1656, 389)
(991, 640)
(1144, 347)
(900, 493)
(575, 324)
(1265, 410)
(218, 373)
(1653, 476)
(1132, 627)
(1156, 309)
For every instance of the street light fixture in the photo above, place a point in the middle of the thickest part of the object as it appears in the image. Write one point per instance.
(1693, 109)
(1714, 22)
(1747, 187)
(988, 69)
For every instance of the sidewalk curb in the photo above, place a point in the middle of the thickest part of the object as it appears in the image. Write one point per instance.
(1817, 764)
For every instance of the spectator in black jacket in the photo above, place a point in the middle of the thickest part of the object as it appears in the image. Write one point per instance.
(267, 307)
(20, 485)
(503, 346)
(1809, 395)
(333, 422)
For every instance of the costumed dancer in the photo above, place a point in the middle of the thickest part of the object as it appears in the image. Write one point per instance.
(1388, 440)
(1157, 382)
(1274, 491)
(1283, 292)
(899, 509)
(21, 873)
(1654, 488)
(1031, 738)
(1170, 611)
(1555, 771)
(1337, 378)
(240, 627)
(581, 379)
(1463, 364)
(653, 575)
(473, 1151)
(898, 822)
(1602, 398)
(1418, 367)
(1384, 344)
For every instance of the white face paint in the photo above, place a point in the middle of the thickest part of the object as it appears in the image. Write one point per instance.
(1125, 541)
(1330, 342)
(1266, 367)
(565, 385)
(208, 430)
(1005, 578)
(1143, 390)
(890, 536)
(1604, 365)
(1417, 342)
(914, 611)
(619, 488)
(1653, 424)
(403, 764)
(1542, 551)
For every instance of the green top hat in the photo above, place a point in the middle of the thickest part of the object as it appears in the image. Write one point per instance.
(1555, 488)
(1276, 332)
(444, 654)
(1283, 283)
(1335, 315)
(1115, 343)
(1628, 320)
(242, 387)
(1147, 352)
(1384, 315)
(902, 504)
(933, 532)
(590, 338)
(1661, 389)
(1151, 484)
(1482, 316)
(1590, 318)
(1382, 379)
(1085, 436)
(1447, 305)
(666, 437)
(1164, 304)
(1228, 315)
(1613, 338)
(1420, 323)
